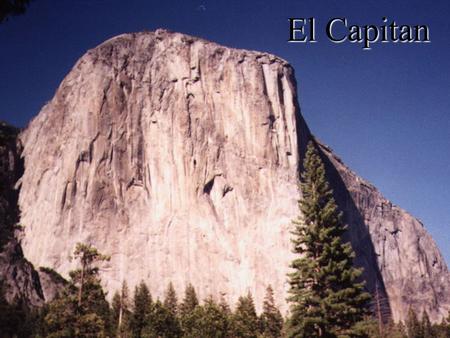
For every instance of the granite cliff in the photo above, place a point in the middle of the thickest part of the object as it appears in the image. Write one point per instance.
(18, 279)
(180, 158)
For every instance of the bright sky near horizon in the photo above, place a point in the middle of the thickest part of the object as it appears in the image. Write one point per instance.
(386, 111)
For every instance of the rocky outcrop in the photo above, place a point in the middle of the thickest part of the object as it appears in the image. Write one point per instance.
(52, 283)
(18, 279)
(179, 158)
(413, 271)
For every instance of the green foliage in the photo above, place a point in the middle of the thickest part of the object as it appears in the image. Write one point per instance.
(7, 133)
(186, 310)
(427, 329)
(190, 301)
(245, 322)
(161, 323)
(394, 330)
(81, 310)
(142, 307)
(326, 300)
(208, 321)
(170, 300)
(271, 318)
(369, 328)
(444, 328)
(15, 318)
(62, 315)
(224, 307)
(413, 326)
(120, 313)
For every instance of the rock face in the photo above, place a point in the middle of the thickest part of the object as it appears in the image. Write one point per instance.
(52, 284)
(18, 279)
(413, 271)
(179, 158)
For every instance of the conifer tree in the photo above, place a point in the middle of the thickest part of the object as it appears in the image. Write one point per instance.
(245, 320)
(413, 326)
(326, 299)
(369, 328)
(121, 312)
(216, 319)
(142, 308)
(399, 330)
(224, 306)
(162, 323)
(190, 300)
(271, 318)
(444, 327)
(208, 321)
(427, 329)
(116, 304)
(186, 311)
(81, 310)
(395, 330)
(170, 300)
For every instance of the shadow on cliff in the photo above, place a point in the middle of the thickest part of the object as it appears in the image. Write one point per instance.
(359, 236)
(11, 169)
(358, 233)
(17, 276)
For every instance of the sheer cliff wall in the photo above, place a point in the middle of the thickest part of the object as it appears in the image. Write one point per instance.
(180, 158)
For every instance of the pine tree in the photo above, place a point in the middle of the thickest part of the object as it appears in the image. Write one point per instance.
(61, 316)
(208, 321)
(244, 320)
(190, 300)
(121, 313)
(444, 327)
(326, 300)
(81, 310)
(162, 323)
(271, 318)
(142, 308)
(395, 330)
(413, 326)
(224, 307)
(216, 321)
(116, 305)
(427, 329)
(370, 328)
(170, 300)
(186, 310)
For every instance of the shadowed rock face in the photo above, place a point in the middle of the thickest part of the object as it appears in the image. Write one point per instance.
(18, 279)
(413, 270)
(179, 158)
(411, 267)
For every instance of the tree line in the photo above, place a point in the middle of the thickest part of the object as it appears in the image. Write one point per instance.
(81, 310)
(326, 294)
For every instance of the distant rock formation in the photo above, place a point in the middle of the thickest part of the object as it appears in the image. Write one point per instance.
(180, 158)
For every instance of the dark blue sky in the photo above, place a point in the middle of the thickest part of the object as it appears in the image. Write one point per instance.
(386, 112)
